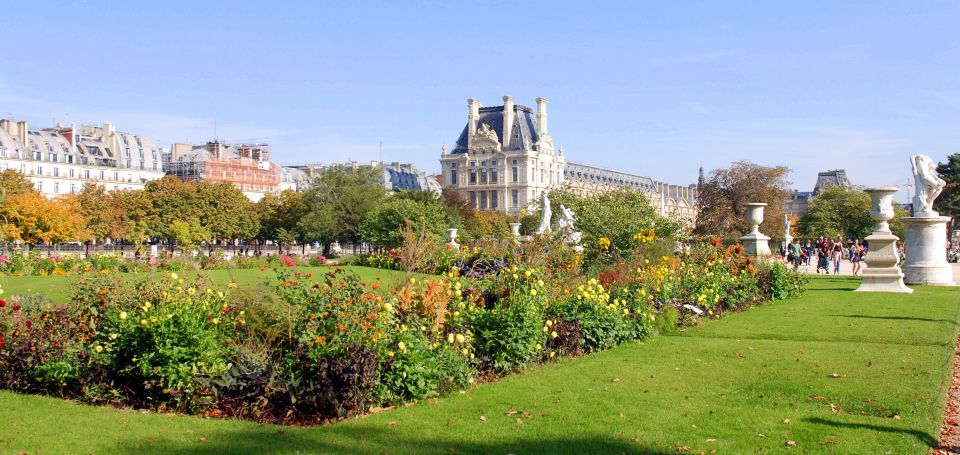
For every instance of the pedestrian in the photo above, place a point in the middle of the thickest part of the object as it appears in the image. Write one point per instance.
(808, 250)
(823, 255)
(856, 255)
(797, 251)
(836, 252)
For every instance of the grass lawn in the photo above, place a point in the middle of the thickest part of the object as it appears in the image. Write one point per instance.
(58, 288)
(833, 372)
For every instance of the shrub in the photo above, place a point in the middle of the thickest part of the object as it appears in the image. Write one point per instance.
(509, 331)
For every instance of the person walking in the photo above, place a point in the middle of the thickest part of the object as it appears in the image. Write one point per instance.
(808, 252)
(856, 255)
(823, 255)
(797, 251)
(836, 253)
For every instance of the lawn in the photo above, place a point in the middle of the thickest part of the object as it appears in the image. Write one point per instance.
(832, 372)
(58, 288)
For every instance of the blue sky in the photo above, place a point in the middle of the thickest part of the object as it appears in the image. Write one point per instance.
(654, 88)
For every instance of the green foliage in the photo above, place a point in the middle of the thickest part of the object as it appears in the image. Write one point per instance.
(188, 233)
(722, 197)
(385, 223)
(948, 204)
(839, 211)
(338, 202)
(510, 333)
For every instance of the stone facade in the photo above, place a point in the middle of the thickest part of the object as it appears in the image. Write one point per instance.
(246, 166)
(60, 160)
(799, 201)
(505, 160)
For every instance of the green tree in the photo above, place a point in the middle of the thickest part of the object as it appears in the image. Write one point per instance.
(839, 211)
(948, 204)
(385, 223)
(617, 215)
(188, 234)
(722, 197)
(338, 201)
(281, 214)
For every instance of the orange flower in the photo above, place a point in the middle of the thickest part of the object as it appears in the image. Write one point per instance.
(321, 341)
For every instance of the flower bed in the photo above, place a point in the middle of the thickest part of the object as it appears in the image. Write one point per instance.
(19, 264)
(327, 346)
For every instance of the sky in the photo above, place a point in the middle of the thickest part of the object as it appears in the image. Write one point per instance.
(652, 88)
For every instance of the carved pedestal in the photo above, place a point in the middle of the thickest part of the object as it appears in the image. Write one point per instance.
(882, 273)
(755, 243)
(926, 247)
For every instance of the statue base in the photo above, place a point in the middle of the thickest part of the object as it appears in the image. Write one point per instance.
(755, 244)
(926, 247)
(882, 273)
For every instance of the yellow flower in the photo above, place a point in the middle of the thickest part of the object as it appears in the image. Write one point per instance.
(533, 292)
(220, 294)
(464, 351)
(388, 308)
(527, 273)
(143, 322)
(216, 321)
(173, 276)
(123, 315)
(553, 334)
(549, 323)
(538, 347)
(113, 336)
(231, 285)
(402, 347)
(450, 338)
(540, 283)
(98, 348)
(460, 338)
(413, 280)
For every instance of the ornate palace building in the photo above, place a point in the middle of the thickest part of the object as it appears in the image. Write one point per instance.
(505, 159)
(61, 159)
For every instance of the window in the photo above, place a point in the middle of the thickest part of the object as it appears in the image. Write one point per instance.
(483, 175)
(116, 176)
(86, 173)
(73, 188)
(49, 146)
(515, 196)
(453, 177)
(56, 172)
(56, 187)
(493, 199)
(71, 173)
(3, 153)
(483, 200)
(39, 170)
(101, 175)
(126, 150)
(483, 163)
(516, 172)
(473, 176)
(40, 186)
(37, 156)
(493, 175)
(472, 197)
(141, 151)
(70, 159)
(542, 176)
(93, 150)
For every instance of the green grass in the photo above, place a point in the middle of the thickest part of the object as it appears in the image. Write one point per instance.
(58, 288)
(727, 386)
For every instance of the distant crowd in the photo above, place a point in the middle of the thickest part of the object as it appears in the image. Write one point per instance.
(828, 253)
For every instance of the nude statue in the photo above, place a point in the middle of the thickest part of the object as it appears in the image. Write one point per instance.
(929, 185)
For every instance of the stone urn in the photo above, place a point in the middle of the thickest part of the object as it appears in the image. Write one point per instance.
(452, 232)
(515, 230)
(755, 243)
(882, 273)
(754, 215)
(881, 206)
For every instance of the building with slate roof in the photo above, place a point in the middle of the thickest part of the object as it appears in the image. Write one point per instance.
(60, 160)
(505, 159)
(246, 166)
(799, 202)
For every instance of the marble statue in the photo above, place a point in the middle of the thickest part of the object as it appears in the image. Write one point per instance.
(929, 185)
(545, 215)
(565, 222)
(786, 226)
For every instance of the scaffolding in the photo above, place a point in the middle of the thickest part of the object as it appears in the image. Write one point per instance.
(246, 166)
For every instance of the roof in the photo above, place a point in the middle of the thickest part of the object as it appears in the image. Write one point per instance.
(524, 133)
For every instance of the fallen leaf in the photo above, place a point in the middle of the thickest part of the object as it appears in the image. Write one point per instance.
(519, 421)
(512, 412)
(483, 418)
(896, 417)
(786, 421)
(711, 439)
(835, 409)
(392, 423)
(683, 449)
(451, 450)
(828, 443)
(203, 438)
(614, 379)
(837, 375)
(621, 415)
(790, 443)
(761, 435)
(818, 398)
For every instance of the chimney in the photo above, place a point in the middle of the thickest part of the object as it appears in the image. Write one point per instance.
(507, 121)
(542, 117)
(473, 117)
(22, 133)
(107, 128)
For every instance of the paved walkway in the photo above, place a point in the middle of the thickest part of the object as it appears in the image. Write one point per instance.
(846, 269)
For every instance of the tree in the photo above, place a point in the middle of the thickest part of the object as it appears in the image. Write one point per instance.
(948, 204)
(384, 224)
(13, 182)
(35, 219)
(280, 215)
(338, 201)
(839, 211)
(188, 234)
(617, 215)
(721, 199)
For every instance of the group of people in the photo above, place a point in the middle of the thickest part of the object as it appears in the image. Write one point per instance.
(829, 253)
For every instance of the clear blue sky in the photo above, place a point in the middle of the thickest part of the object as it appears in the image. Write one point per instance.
(654, 88)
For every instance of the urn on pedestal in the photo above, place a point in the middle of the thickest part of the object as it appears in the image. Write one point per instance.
(755, 243)
(452, 232)
(882, 273)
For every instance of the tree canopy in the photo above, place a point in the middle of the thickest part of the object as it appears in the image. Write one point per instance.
(723, 195)
(839, 211)
(948, 204)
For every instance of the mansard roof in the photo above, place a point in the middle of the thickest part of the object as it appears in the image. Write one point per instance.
(524, 134)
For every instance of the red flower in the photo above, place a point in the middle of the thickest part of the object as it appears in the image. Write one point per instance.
(16, 307)
(3, 303)
(225, 310)
(28, 324)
